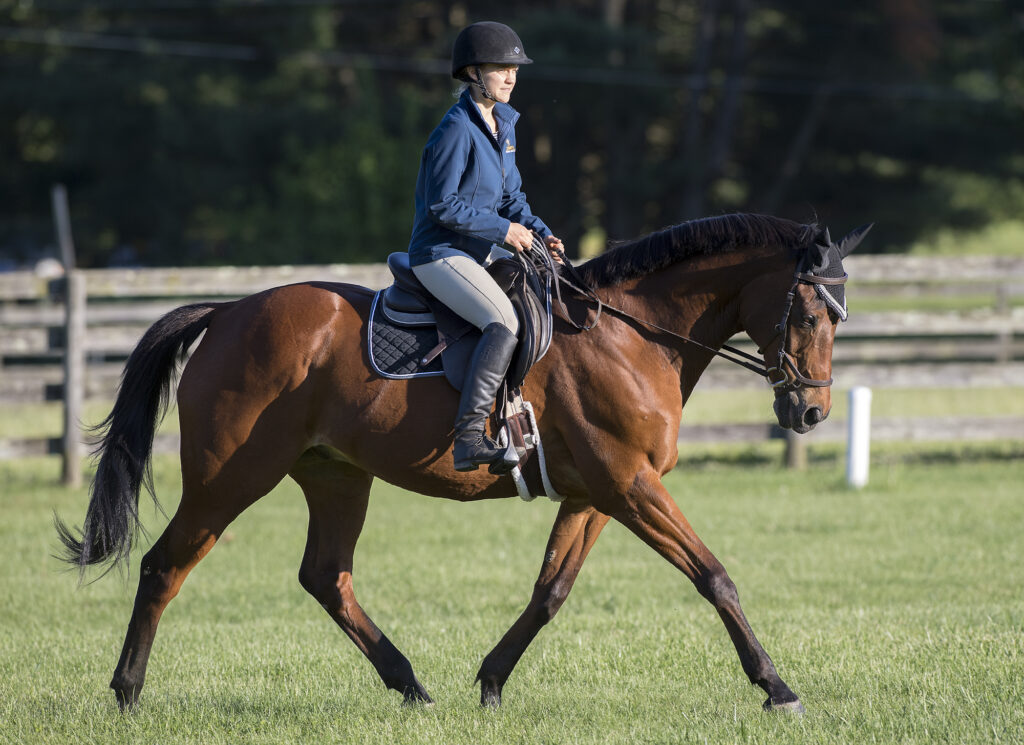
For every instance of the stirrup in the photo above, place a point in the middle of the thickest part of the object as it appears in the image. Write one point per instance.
(481, 451)
(509, 459)
(499, 461)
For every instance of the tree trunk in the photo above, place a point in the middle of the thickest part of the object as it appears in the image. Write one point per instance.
(693, 164)
(725, 124)
(798, 149)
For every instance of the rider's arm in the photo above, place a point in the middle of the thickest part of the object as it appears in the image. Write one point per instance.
(513, 203)
(444, 161)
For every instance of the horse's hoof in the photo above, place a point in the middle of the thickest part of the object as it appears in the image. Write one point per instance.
(490, 696)
(126, 699)
(491, 701)
(417, 697)
(786, 707)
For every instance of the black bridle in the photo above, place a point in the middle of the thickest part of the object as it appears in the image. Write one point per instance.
(789, 375)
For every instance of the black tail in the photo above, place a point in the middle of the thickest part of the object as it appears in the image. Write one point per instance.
(112, 519)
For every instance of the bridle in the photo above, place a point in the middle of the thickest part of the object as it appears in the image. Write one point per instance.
(789, 377)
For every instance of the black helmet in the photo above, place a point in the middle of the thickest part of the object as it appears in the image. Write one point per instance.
(487, 42)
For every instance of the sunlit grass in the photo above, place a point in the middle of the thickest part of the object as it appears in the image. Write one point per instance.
(717, 406)
(896, 301)
(709, 406)
(995, 239)
(47, 419)
(893, 611)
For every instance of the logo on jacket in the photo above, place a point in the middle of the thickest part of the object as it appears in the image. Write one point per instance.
(509, 147)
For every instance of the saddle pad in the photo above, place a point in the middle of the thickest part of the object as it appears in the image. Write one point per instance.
(396, 351)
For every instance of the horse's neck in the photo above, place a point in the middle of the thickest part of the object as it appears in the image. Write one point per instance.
(698, 299)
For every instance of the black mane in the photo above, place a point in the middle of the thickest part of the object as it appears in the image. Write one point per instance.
(708, 235)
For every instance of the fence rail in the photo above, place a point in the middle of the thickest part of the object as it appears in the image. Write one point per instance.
(983, 346)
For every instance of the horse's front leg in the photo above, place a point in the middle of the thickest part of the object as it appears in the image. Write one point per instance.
(650, 512)
(575, 530)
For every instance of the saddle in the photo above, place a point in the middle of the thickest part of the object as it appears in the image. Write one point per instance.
(406, 315)
(412, 334)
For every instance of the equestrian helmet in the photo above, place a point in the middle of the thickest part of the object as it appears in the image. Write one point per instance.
(487, 42)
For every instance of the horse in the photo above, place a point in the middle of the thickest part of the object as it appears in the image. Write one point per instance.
(280, 385)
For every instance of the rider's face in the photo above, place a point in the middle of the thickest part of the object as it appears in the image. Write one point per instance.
(499, 80)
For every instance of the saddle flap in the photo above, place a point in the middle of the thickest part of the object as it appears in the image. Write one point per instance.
(505, 272)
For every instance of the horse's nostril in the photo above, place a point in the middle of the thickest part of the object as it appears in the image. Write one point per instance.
(812, 416)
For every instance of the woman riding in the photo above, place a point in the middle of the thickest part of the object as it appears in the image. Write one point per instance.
(469, 201)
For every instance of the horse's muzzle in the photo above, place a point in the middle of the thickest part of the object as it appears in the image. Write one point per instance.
(796, 414)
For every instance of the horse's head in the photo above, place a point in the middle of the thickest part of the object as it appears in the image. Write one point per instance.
(796, 327)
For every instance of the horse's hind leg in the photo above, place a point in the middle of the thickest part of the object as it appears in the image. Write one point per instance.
(572, 536)
(189, 536)
(337, 495)
(214, 492)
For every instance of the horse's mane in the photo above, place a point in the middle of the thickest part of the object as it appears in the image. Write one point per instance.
(633, 259)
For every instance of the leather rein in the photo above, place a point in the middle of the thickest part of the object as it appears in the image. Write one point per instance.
(789, 375)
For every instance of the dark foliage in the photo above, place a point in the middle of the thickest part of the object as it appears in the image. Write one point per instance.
(278, 132)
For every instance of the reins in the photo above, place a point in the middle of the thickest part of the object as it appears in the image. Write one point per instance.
(786, 366)
(741, 358)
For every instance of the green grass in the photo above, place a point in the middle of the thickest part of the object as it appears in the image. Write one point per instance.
(895, 612)
(705, 406)
(983, 302)
(33, 420)
(995, 239)
(755, 405)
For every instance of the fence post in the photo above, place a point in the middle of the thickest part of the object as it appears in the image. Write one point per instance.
(796, 450)
(74, 376)
(74, 341)
(858, 448)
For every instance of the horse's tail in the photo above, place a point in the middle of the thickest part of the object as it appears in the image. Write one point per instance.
(112, 519)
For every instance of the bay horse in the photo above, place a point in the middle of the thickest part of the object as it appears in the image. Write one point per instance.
(281, 385)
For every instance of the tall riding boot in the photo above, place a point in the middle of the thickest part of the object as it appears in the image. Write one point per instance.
(486, 371)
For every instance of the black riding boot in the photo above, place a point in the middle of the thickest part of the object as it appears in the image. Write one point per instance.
(487, 369)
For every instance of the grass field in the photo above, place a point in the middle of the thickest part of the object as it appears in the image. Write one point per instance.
(895, 612)
(709, 406)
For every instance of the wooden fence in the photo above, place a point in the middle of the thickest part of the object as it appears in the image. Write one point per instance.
(67, 338)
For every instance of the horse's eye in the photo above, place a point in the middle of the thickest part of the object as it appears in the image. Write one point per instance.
(810, 321)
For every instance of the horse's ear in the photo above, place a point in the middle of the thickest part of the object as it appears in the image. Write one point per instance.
(819, 252)
(851, 241)
(819, 256)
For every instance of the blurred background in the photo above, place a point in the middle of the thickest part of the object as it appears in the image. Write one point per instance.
(209, 149)
(213, 132)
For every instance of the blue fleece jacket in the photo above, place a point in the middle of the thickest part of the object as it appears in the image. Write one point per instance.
(469, 189)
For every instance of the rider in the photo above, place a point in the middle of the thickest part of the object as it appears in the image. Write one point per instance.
(468, 198)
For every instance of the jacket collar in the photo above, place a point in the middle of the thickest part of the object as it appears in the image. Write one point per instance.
(504, 115)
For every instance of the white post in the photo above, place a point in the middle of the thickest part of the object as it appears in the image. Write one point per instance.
(858, 448)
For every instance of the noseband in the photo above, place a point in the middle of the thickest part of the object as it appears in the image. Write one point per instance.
(789, 376)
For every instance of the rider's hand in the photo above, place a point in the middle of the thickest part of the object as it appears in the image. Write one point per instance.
(554, 245)
(518, 237)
